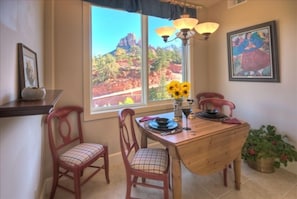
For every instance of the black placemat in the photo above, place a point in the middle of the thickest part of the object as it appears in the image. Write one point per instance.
(211, 116)
(178, 129)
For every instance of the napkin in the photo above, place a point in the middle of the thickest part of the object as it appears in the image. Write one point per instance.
(147, 118)
(231, 121)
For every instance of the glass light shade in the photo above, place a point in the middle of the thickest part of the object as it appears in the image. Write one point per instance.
(185, 22)
(165, 31)
(206, 27)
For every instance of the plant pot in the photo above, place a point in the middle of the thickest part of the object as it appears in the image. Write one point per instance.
(264, 165)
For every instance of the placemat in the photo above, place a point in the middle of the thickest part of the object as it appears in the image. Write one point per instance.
(178, 129)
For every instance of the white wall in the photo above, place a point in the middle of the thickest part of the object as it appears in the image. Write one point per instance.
(258, 103)
(21, 138)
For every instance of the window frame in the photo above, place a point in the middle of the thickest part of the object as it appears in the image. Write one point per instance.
(156, 106)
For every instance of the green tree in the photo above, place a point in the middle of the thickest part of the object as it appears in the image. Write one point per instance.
(105, 67)
(151, 54)
(120, 54)
(162, 61)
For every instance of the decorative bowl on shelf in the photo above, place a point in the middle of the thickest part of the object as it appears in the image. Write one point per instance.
(33, 93)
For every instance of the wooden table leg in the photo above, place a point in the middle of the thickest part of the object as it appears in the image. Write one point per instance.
(143, 143)
(176, 178)
(237, 172)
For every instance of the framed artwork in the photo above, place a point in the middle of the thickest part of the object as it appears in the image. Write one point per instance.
(28, 70)
(252, 53)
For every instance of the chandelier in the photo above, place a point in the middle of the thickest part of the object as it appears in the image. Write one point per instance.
(186, 25)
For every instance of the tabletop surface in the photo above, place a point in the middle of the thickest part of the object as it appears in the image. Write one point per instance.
(200, 128)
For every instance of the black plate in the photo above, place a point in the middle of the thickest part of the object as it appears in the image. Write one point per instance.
(217, 115)
(212, 111)
(169, 126)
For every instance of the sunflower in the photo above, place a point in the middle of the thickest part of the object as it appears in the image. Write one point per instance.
(178, 90)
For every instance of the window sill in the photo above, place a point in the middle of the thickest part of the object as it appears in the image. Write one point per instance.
(24, 108)
(152, 109)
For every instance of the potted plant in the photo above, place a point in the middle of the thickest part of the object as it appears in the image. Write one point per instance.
(265, 149)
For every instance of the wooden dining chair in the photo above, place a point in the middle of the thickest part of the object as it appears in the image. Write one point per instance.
(144, 163)
(70, 154)
(204, 95)
(224, 106)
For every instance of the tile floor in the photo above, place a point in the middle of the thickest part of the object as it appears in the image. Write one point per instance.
(278, 185)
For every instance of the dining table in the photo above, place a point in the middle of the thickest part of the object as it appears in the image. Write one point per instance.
(208, 147)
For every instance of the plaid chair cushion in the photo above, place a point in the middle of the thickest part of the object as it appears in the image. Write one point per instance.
(81, 153)
(150, 160)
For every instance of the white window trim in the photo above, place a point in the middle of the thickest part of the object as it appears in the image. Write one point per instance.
(163, 106)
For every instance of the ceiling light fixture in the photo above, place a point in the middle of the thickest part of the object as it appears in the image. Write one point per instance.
(185, 24)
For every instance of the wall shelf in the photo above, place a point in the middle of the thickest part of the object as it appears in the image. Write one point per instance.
(36, 107)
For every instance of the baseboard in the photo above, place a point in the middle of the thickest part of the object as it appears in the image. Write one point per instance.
(292, 167)
(46, 187)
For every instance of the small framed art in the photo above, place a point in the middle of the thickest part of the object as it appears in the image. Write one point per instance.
(28, 70)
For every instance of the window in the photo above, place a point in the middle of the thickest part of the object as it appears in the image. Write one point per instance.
(131, 64)
(164, 60)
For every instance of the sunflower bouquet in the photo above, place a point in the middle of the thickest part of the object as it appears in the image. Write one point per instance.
(178, 90)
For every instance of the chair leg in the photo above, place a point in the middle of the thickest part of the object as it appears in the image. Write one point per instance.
(55, 180)
(166, 189)
(225, 177)
(106, 164)
(128, 188)
(135, 178)
(77, 184)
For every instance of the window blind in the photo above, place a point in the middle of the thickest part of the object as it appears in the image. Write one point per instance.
(147, 7)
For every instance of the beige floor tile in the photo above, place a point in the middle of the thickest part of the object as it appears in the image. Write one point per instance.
(292, 194)
(279, 185)
(248, 190)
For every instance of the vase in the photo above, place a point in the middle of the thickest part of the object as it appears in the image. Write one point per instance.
(264, 165)
(177, 109)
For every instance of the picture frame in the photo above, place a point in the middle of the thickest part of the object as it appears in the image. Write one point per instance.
(28, 69)
(253, 53)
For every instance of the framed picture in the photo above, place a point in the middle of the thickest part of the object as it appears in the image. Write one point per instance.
(28, 70)
(252, 53)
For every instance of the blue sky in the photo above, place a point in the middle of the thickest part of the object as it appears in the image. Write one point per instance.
(109, 23)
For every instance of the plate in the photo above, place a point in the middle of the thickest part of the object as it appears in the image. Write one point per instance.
(171, 124)
(217, 115)
(211, 111)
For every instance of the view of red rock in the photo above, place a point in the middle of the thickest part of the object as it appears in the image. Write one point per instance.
(116, 76)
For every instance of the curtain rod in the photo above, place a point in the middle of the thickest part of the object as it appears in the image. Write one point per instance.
(176, 2)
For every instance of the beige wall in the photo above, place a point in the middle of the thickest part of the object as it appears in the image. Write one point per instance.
(257, 103)
(21, 138)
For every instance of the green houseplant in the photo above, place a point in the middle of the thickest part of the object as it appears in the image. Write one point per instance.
(265, 146)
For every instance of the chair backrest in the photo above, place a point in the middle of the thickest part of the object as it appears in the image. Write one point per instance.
(64, 128)
(128, 141)
(216, 103)
(204, 95)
